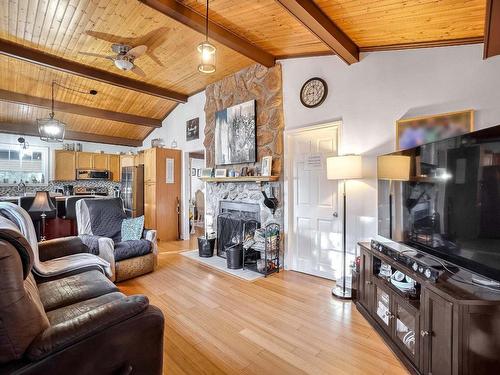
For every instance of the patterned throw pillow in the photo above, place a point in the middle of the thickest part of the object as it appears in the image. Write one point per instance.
(132, 228)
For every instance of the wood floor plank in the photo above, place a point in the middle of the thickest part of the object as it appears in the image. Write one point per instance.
(287, 323)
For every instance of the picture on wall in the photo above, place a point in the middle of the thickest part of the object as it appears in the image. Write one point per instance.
(235, 140)
(193, 129)
(414, 132)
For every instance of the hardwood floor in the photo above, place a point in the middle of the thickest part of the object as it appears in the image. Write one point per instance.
(287, 323)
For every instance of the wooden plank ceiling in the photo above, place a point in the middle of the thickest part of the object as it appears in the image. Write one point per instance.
(63, 28)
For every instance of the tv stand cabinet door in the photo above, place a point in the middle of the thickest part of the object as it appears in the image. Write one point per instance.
(365, 292)
(437, 334)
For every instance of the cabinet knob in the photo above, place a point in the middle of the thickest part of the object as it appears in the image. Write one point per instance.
(424, 333)
(369, 282)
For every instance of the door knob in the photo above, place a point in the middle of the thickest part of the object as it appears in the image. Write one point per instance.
(335, 214)
(424, 333)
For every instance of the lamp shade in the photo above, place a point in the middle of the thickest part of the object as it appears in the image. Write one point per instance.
(42, 202)
(393, 167)
(346, 167)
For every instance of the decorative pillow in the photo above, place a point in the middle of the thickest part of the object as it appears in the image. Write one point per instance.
(132, 228)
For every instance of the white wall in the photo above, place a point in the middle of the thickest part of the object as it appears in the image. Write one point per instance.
(86, 146)
(174, 128)
(368, 97)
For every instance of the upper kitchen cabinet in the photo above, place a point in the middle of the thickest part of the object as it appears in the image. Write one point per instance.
(85, 160)
(65, 165)
(114, 167)
(100, 161)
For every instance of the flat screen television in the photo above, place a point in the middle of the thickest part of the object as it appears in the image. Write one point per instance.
(449, 203)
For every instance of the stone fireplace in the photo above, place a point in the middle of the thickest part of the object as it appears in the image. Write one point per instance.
(264, 85)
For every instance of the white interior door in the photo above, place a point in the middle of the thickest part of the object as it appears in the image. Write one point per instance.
(315, 237)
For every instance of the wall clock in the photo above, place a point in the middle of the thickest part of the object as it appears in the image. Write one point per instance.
(313, 92)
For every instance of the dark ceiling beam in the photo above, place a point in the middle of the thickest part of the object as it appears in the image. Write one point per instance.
(195, 21)
(30, 129)
(492, 29)
(77, 109)
(34, 56)
(312, 17)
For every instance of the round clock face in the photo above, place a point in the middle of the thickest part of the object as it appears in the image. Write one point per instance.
(313, 92)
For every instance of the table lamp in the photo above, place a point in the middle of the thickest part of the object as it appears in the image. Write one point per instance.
(42, 203)
(393, 168)
(347, 167)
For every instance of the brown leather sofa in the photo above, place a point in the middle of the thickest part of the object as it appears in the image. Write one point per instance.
(77, 324)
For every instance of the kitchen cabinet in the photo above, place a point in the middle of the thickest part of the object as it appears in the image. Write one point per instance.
(127, 160)
(161, 199)
(65, 165)
(84, 160)
(150, 164)
(100, 161)
(67, 162)
(114, 167)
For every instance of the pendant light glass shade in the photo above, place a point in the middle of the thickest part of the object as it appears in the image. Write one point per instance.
(207, 51)
(207, 55)
(50, 129)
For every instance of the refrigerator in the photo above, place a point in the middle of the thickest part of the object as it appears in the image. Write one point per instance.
(132, 190)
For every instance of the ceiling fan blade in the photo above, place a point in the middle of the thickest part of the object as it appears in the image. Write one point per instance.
(137, 51)
(112, 58)
(138, 71)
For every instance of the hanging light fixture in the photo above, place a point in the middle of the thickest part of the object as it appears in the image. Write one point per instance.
(51, 129)
(207, 52)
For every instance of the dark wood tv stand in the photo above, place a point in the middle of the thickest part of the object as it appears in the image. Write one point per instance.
(456, 325)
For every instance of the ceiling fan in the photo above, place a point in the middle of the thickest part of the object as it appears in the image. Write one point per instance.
(124, 58)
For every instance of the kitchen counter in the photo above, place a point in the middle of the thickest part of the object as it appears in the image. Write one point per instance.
(15, 198)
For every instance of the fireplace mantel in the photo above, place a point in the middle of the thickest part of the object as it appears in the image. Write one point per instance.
(257, 179)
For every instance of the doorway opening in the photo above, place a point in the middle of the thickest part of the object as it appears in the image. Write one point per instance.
(197, 190)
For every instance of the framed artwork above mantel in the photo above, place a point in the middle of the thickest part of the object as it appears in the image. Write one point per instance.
(235, 134)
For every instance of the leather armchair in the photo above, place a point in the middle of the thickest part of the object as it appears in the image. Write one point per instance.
(99, 227)
(79, 324)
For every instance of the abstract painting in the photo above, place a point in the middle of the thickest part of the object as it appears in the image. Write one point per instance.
(235, 140)
(417, 131)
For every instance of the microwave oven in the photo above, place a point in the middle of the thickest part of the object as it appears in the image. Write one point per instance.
(92, 174)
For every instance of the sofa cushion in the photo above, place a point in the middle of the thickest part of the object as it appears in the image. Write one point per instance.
(106, 216)
(132, 249)
(73, 289)
(72, 311)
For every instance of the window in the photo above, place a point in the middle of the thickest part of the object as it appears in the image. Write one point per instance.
(29, 166)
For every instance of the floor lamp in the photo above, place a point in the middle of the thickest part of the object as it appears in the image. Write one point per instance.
(344, 168)
(393, 168)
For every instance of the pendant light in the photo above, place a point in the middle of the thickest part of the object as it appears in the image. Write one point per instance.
(51, 129)
(207, 52)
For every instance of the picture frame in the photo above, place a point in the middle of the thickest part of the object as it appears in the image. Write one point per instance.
(207, 172)
(193, 129)
(412, 132)
(266, 166)
(220, 172)
(236, 134)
